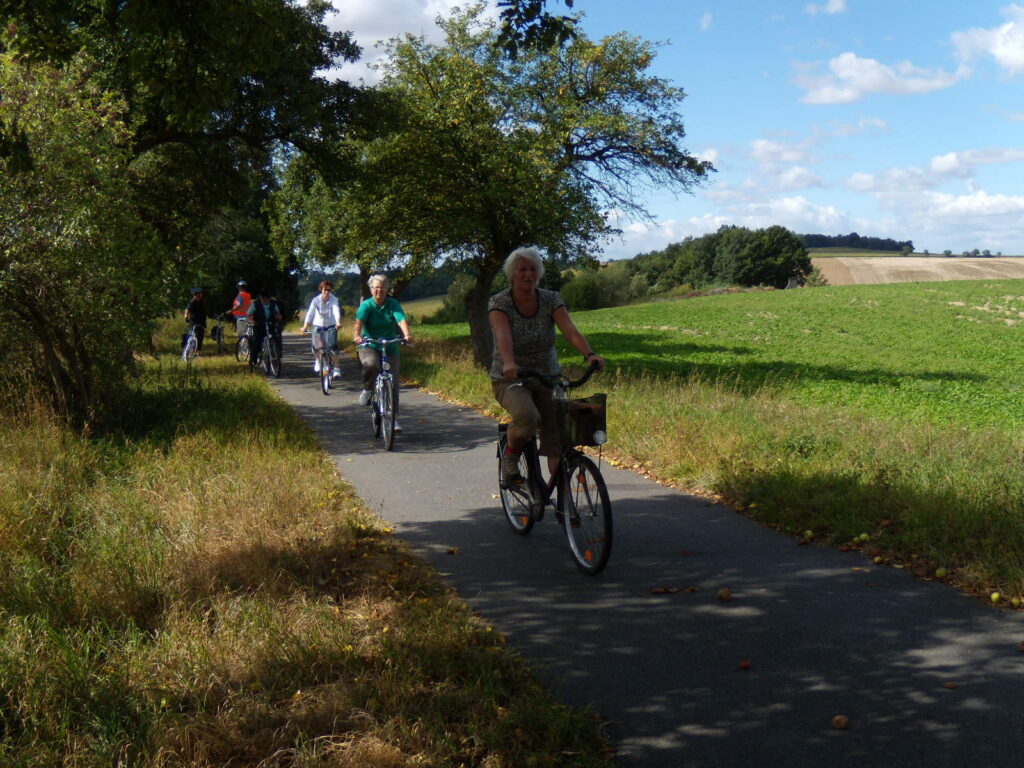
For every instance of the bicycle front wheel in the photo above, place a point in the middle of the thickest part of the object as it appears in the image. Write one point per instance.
(189, 353)
(219, 332)
(325, 373)
(242, 349)
(515, 499)
(587, 515)
(387, 413)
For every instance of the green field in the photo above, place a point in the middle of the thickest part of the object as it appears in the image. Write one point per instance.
(886, 413)
(945, 352)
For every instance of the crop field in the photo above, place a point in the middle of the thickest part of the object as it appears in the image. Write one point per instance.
(950, 352)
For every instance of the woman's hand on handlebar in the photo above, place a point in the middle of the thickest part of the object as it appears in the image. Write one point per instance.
(357, 339)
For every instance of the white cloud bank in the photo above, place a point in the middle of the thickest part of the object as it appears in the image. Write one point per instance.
(851, 78)
(1005, 43)
(374, 21)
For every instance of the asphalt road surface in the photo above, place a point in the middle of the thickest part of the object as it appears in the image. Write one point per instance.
(925, 675)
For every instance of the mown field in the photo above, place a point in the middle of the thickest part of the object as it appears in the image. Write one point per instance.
(198, 587)
(889, 413)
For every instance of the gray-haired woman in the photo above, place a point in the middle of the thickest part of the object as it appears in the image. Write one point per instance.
(523, 318)
(382, 317)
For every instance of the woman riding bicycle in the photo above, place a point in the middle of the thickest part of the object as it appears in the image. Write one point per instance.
(325, 314)
(523, 319)
(382, 317)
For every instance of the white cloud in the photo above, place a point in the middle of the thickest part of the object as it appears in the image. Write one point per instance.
(1005, 43)
(798, 177)
(935, 173)
(769, 152)
(705, 21)
(852, 78)
(374, 21)
(832, 6)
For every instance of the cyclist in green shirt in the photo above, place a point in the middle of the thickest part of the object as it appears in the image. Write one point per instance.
(379, 317)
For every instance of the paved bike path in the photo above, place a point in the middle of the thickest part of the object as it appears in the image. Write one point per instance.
(925, 675)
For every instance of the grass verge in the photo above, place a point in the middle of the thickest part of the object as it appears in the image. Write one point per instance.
(200, 588)
(908, 493)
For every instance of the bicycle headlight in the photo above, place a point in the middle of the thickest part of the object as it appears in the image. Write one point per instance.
(386, 366)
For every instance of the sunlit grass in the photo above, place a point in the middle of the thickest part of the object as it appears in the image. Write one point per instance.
(891, 411)
(200, 588)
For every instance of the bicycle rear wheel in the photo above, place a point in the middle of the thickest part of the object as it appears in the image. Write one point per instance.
(587, 515)
(375, 413)
(218, 333)
(387, 413)
(515, 499)
(265, 355)
(242, 349)
(275, 358)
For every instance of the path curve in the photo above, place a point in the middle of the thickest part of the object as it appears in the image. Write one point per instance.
(926, 675)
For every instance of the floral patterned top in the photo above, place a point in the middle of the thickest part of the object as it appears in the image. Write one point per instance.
(533, 338)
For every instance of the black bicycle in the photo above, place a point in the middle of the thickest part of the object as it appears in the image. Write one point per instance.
(269, 354)
(580, 500)
(217, 333)
(382, 399)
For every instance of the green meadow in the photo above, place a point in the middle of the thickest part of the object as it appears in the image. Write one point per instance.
(885, 417)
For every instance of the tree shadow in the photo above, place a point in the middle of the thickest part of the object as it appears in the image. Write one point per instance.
(663, 359)
(826, 633)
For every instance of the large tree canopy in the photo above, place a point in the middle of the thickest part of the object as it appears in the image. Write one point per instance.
(482, 153)
(76, 263)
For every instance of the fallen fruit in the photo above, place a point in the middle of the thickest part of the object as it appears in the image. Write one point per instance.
(745, 664)
(725, 594)
(941, 573)
(995, 597)
(808, 534)
(1015, 602)
(878, 560)
(840, 722)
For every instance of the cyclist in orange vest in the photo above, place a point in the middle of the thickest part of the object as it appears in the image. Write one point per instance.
(240, 307)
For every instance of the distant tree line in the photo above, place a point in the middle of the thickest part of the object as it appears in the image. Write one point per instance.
(774, 257)
(853, 240)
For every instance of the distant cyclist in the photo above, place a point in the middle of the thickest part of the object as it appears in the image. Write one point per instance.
(523, 318)
(325, 314)
(265, 317)
(380, 317)
(240, 307)
(195, 314)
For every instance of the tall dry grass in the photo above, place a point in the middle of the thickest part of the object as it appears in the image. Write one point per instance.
(200, 588)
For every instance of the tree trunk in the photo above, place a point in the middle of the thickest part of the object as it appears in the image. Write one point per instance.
(476, 313)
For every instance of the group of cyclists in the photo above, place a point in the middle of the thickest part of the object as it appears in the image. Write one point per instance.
(378, 317)
(523, 318)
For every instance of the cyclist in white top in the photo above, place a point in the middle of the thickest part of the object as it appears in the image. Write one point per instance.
(325, 312)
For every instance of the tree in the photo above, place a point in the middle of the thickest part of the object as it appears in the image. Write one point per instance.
(208, 106)
(76, 263)
(483, 154)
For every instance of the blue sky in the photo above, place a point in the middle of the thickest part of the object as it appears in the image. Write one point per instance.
(894, 119)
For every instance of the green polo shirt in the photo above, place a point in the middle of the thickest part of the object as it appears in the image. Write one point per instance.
(381, 322)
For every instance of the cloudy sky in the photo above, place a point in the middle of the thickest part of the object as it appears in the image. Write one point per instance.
(900, 119)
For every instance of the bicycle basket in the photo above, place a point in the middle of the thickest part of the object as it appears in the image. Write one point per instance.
(582, 420)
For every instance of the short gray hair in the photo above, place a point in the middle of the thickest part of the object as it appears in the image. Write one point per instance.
(530, 254)
(379, 279)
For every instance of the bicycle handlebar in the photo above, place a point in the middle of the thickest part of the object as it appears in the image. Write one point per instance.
(382, 342)
(560, 379)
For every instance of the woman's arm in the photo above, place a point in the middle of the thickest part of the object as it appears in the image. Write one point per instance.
(502, 332)
(573, 336)
(357, 331)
